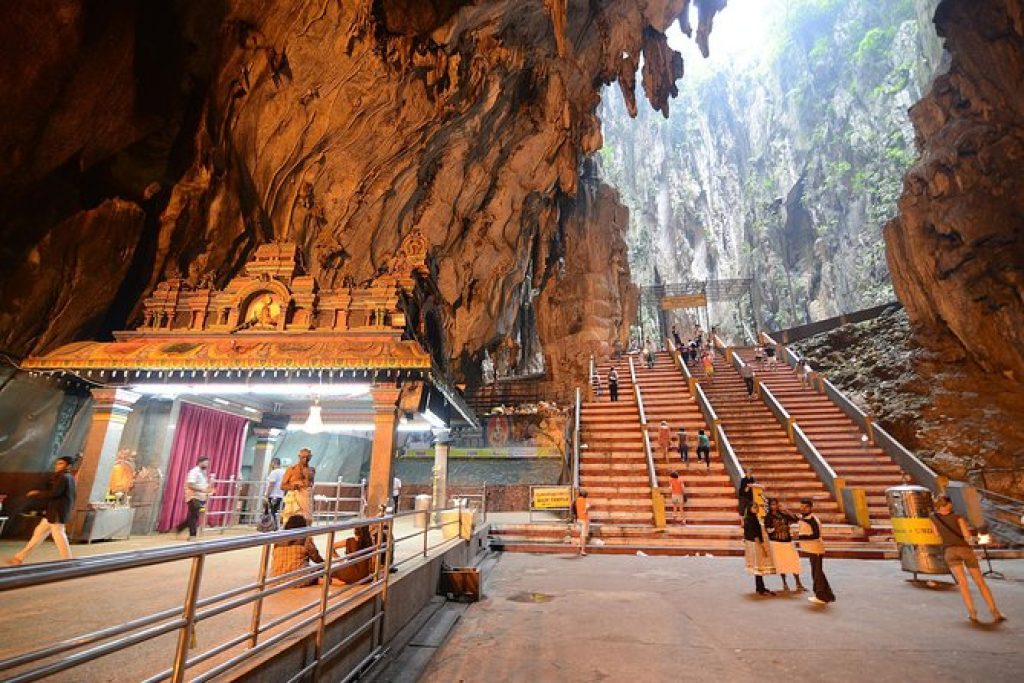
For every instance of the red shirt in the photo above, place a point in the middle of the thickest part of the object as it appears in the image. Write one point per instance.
(677, 486)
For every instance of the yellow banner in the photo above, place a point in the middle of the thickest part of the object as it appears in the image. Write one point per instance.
(551, 498)
(915, 531)
(670, 303)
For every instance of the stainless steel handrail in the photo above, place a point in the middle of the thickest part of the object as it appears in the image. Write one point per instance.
(576, 441)
(652, 474)
(194, 609)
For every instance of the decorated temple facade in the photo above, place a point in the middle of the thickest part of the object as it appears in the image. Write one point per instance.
(267, 350)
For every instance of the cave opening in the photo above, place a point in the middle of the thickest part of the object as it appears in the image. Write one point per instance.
(781, 160)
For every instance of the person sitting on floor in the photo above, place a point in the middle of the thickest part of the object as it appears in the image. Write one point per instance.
(296, 553)
(357, 571)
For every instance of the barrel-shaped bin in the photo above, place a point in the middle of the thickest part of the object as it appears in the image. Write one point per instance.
(421, 519)
(919, 546)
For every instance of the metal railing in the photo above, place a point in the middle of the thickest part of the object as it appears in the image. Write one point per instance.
(425, 524)
(243, 501)
(260, 636)
(576, 441)
(651, 472)
(593, 381)
(909, 462)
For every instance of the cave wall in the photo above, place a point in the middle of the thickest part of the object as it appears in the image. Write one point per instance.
(154, 141)
(956, 250)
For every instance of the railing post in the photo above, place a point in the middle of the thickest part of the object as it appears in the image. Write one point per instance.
(257, 607)
(869, 423)
(790, 421)
(324, 596)
(426, 529)
(189, 615)
(840, 484)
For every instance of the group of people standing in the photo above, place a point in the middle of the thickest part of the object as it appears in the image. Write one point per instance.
(769, 545)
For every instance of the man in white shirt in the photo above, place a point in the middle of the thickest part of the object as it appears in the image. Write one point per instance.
(275, 494)
(197, 489)
(396, 490)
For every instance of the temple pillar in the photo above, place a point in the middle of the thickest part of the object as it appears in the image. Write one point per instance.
(440, 491)
(265, 440)
(385, 421)
(110, 410)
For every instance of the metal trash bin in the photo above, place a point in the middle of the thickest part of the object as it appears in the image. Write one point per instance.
(421, 519)
(919, 546)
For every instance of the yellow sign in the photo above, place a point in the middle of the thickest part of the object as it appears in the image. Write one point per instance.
(670, 303)
(759, 501)
(915, 531)
(551, 498)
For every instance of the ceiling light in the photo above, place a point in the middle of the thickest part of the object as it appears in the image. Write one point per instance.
(314, 423)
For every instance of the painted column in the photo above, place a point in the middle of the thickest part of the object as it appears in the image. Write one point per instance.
(110, 411)
(265, 442)
(440, 492)
(385, 420)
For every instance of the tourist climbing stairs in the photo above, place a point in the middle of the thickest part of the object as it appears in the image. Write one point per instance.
(842, 444)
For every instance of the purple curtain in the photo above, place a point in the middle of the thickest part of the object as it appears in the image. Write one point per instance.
(201, 431)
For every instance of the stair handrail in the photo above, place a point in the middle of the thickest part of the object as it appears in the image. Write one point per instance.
(576, 442)
(728, 455)
(651, 472)
(710, 416)
(592, 387)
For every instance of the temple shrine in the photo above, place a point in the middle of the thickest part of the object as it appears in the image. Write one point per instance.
(269, 363)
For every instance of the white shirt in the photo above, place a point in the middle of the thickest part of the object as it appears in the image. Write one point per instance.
(274, 483)
(396, 486)
(197, 478)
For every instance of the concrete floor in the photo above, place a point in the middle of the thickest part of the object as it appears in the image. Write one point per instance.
(628, 618)
(36, 617)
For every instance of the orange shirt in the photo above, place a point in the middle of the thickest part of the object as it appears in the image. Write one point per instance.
(581, 509)
(677, 486)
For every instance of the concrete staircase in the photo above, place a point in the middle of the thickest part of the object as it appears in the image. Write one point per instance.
(836, 436)
(762, 445)
(613, 467)
(711, 498)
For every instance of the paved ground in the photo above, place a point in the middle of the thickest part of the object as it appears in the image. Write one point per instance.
(36, 617)
(628, 618)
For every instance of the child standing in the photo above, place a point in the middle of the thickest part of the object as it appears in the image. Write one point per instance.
(678, 496)
(583, 517)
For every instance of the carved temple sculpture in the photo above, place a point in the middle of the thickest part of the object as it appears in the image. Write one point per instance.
(271, 317)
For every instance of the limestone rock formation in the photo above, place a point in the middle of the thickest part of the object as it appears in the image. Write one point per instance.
(956, 251)
(782, 165)
(338, 125)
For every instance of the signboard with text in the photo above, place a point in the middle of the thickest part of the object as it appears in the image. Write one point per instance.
(671, 303)
(550, 497)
